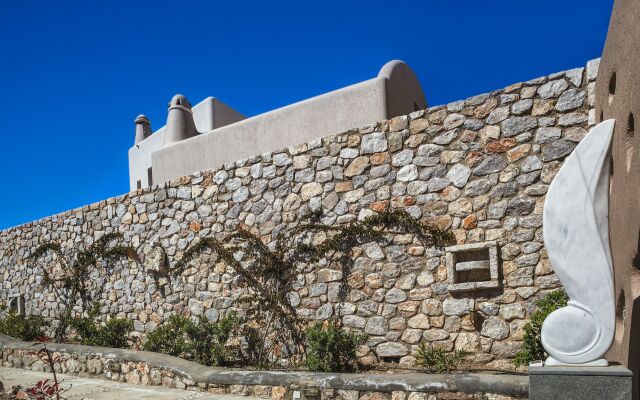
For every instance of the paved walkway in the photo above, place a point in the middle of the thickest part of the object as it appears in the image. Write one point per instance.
(98, 389)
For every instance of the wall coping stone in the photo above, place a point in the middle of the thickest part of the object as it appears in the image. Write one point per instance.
(504, 384)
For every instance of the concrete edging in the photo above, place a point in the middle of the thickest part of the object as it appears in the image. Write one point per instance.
(504, 384)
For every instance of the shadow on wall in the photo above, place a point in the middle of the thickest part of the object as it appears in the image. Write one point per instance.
(634, 346)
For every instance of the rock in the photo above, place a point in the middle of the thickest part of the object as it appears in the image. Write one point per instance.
(575, 76)
(415, 188)
(468, 342)
(411, 336)
(570, 100)
(459, 174)
(281, 159)
(490, 164)
(376, 326)
(495, 328)
(520, 205)
(489, 308)
(391, 349)
(241, 194)
(329, 275)
(518, 152)
(418, 125)
(402, 158)
(515, 125)
(522, 106)
(373, 143)
(354, 321)
(500, 146)
(419, 321)
(357, 166)
(497, 210)
(477, 187)
(435, 334)
(512, 311)
(437, 184)
(460, 208)
(572, 119)
(484, 109)
(373, 251)
(431, 307)
(505, 349)
(446, 137)
(395, 295)
(557, 150)
(552, 88)
(324, 312)
(470, 222)
(310, 190)
(407, 173)
(458, 307)
(497, 115)
(530, 164)
(453, 121)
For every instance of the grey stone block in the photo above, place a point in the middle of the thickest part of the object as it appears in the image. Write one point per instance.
(580, 383)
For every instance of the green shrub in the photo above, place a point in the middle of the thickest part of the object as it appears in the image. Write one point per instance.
(201, 341)
(22, 327)
(115, 332)
(437, 359)
(532, 349)
(330, 348)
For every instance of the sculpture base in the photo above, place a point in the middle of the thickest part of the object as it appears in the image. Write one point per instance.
(580, 383)
(552, 362)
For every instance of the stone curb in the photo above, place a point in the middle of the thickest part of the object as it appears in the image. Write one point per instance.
(504, 384)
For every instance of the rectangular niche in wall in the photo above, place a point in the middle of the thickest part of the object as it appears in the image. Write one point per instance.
(472, 267)
(16, 304)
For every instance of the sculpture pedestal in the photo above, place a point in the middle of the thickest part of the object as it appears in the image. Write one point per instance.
(580, 383)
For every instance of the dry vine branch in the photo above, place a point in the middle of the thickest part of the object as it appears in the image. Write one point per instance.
(269, 273)
(72, 283)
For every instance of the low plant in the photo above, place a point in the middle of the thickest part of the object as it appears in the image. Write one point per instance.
(201, 341)
(115, 332)
(330, 348)
(46, 389)
(22, 327)
(437, 359)
(532, 349)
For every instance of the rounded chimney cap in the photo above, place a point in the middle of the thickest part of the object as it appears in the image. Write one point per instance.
(180, 101)
(142, 119)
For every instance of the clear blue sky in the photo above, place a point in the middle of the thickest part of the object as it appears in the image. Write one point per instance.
(74, 74)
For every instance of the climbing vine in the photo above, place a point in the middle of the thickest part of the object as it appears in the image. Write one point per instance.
(269, 272)
(73, 279)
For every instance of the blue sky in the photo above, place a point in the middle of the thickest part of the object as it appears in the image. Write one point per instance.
(74, 74)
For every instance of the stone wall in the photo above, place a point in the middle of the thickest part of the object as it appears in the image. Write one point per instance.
(480, 167)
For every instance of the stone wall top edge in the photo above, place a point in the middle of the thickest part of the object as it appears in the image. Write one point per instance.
(260, 157)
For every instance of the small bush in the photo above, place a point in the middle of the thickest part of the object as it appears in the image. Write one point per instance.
(438, 360)
(115, 332)
(532, 349)
(201, 341)
(330, 348)
(22, 327)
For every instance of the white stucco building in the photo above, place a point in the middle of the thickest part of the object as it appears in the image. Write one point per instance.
(212, 133)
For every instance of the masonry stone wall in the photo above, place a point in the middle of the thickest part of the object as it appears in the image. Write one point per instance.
(480, 167)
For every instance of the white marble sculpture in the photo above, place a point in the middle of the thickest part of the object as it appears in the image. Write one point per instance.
(576, 235)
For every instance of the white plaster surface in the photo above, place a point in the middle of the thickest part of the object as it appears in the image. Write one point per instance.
(576, 236)
(395, 91)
